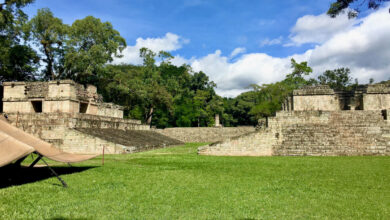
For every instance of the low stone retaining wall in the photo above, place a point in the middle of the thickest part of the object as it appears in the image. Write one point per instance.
(205, 134)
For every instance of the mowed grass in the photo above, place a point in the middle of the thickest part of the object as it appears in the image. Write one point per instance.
(176, 183)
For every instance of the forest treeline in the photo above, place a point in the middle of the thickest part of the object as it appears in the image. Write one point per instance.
(156, 92)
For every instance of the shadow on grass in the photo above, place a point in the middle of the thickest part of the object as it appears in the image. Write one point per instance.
(14, 176)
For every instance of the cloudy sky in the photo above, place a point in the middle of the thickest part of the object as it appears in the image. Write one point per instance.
(238, 43)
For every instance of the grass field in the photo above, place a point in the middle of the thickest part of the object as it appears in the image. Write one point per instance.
(175, 183)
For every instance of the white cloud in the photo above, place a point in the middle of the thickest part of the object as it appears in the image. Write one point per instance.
(238, 50)
(170, 42)
(232, 78)
(319, 29)
(363, 47)
(270, 42)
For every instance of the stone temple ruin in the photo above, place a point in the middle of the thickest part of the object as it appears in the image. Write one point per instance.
(56, 96)
(74, 118)
(319, 121)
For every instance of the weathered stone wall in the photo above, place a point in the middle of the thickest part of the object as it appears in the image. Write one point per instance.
(316, 102)
(315, 98)
(14, 91)
(23, 107)
(251, 144)
(61, 91)
(66, 106)
(377, 97)
(313, 133)
(110, 109)
(205, 134)
(376, 101)
(93, 109)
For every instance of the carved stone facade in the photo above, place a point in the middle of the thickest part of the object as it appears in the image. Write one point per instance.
(56, 96)
(74, 118)
(323, 98)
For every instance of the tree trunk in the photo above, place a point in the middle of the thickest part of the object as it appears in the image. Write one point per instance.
(149, 118)
(49, 62)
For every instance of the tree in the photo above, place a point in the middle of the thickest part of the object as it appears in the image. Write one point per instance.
(340, 5)
(17, 61)
(80, 51)
(271, 96)
(11, 14)
(49, 34)
(338, 79)
(90, 46)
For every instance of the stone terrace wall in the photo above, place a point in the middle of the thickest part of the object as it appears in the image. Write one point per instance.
(205, 134)
(313, 133)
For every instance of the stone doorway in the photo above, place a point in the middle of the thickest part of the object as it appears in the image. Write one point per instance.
(83, 107)
(37, 106)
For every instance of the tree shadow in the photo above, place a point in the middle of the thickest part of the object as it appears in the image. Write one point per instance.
(14, 176)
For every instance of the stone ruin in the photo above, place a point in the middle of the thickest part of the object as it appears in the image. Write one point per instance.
(74, 118)
(323, 98)
(318, 121)
(56, 96)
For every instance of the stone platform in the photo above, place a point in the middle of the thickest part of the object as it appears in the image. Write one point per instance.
(85, 133)
(312, 133)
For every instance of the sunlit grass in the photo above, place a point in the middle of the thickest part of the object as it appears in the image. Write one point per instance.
(176, 183)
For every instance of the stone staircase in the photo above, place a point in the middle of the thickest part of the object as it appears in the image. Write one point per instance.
(313, 133)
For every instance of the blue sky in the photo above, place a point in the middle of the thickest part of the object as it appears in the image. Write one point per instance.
(264, 34)
(209, 25)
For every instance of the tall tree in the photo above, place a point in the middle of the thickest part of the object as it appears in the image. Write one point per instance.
(154, 94)
(340, 5)
(338, 79)
(49, 34)
(91, 44)
(271, 96)
(17, 61)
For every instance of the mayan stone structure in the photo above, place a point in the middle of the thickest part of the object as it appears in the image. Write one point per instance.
(318, 121)
(56, 96)
(74, 118)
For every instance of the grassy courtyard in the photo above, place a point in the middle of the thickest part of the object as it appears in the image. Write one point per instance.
(175, 183)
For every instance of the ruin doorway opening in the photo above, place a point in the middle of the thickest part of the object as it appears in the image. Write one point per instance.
(384, 114)
(83, 107)
(37, 106)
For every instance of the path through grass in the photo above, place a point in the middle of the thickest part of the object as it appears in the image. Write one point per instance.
(175, 183)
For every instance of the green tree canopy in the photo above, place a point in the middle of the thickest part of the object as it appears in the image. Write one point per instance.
(271, 96)
(17, 61)
(340, 5)
(80, 51)
(49, 34)
(338, 79)
(91, 44)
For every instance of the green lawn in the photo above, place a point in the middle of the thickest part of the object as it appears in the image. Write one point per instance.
(175, 183)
